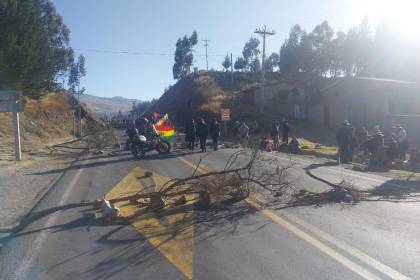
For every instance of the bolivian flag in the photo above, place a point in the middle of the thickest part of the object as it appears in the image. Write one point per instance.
(163, 125)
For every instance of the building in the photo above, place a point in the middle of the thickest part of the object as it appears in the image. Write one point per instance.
(363, 101)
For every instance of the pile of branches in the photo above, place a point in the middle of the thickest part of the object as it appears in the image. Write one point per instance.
(232, 183)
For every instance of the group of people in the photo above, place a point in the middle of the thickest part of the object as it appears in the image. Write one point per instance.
(275, 133)
(201, 130)
(382, 149)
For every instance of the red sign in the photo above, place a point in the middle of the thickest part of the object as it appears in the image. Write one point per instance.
(225, 114)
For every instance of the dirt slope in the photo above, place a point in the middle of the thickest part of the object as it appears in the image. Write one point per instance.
(44, 121)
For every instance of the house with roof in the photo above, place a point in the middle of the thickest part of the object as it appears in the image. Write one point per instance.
(363, 101)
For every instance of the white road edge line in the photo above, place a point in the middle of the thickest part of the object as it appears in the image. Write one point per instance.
(343, 172)
(366, 274)
(349, 249)
(26, 262)
(324, 248)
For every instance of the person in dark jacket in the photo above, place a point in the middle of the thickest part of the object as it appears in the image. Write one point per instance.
(345, 142)
(215, 133)
(190, 132)
(286, 130)
(275, 134)
(202, 133)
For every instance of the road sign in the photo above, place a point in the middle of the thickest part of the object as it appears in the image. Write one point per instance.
(225, 114)
(11, 101)
(73, 102)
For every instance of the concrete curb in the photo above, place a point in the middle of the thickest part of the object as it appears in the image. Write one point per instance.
(8, 230)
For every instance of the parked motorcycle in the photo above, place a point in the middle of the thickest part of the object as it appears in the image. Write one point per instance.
(141, 145)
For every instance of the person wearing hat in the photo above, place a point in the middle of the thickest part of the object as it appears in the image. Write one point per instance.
(378, 152)
(344, 138)
(400, 136)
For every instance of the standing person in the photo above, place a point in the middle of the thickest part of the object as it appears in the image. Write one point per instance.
(275, 134)
(244, 134)
(215, 133)
(190, 132)
(235, 132)
(377, 148)
(400, 136)
(202, 133)
(362, 138)
(344, 138)
(286, 130)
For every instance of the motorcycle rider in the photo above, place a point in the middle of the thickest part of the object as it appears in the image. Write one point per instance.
(141, 124)
(131, 131)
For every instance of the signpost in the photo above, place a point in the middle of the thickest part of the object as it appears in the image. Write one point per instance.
(225, 117)
(12, 101)
(225, 114)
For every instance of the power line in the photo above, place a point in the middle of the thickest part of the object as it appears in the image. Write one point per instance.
(139, 53)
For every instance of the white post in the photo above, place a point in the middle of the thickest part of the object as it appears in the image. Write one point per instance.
(17, 132)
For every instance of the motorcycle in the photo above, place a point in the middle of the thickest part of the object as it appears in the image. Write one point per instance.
(140, 145)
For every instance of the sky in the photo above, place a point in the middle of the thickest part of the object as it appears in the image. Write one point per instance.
(148, 30)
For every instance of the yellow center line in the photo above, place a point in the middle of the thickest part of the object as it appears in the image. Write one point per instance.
(366, 274)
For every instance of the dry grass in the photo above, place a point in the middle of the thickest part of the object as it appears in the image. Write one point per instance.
(43, 122)
(321, 149)
(214, 104)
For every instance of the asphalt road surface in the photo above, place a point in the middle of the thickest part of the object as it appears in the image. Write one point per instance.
(370, 240)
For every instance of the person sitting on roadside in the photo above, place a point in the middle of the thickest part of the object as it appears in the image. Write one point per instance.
(265, 144)
(294, 145)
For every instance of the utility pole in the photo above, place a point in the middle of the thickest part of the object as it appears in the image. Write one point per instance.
(18, 152)
(263, 32)
(231, 78)
(206, 44)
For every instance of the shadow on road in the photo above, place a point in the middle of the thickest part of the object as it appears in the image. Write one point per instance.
(129, 248)
(393, 190)
(83, 166)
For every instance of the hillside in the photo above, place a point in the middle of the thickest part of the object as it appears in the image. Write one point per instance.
(203, 94)
(43, 122)
(200, 95)
(107, 105)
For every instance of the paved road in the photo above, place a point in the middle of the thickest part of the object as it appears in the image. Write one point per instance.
(371, 240)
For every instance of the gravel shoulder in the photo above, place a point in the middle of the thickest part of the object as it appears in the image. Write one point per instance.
(21, 183)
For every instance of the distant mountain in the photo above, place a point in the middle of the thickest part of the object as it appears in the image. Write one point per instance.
(108, 105)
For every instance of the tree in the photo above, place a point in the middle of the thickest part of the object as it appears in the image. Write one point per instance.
(321, 37)
(255, 65)
(77, 71)
(289, 52)
(306, 54)
(34, 46)
(226, 62)
(250, 52)
(272, 62)
(239, 64)
(184, 56)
